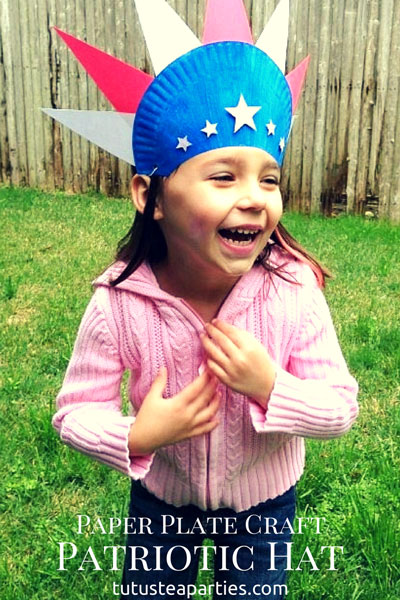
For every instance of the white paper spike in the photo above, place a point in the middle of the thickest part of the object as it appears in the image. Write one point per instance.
(274, 38)
(110, 130)
(167, 36)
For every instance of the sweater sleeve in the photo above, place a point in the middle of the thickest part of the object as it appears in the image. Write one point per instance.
(315, 396)
(88, 416)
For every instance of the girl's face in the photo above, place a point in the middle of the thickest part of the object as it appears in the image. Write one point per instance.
(218, 210)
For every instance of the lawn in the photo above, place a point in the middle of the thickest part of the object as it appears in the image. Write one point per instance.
(53, 245)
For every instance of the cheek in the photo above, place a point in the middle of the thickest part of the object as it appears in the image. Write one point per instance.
(196, 228)
(275, 213)
(200, 224)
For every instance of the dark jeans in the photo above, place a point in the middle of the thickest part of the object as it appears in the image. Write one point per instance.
(165, 553)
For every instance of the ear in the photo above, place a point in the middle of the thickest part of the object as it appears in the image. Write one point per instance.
(140, 185)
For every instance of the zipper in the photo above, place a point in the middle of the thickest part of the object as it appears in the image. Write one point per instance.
(208, 491)
(192, 311)
(207, 435)
(223, 400)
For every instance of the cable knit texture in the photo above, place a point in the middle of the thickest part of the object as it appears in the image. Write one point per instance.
(253, 454)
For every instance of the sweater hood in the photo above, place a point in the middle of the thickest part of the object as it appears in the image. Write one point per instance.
(143, 282)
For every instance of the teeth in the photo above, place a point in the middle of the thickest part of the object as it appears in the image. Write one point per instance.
(245, 231)
(232, 234)
(236, 243)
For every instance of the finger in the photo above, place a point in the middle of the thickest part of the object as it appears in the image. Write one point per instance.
(232, 332)
(160, 382)
(208, 412)
(218, 371)
(212, 408)
(199, 383)
(205, 427)
(204, 398)
(222, 338)
(203, 382)
(215, 352)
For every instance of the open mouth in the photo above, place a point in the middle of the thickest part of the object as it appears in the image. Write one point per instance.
(239, 236)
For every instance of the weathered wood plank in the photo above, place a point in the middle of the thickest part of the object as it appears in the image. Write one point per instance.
(321, 106)
(387, 146)
(310, 106)
(355, 103)
(64, 98)
(394, 214)
(345, 84)
(81, 147)
(25, 99)
(4, 146)
(382, 76)
(368, 100)
(55, 130)
(293, 167)
(43, 98)
(33, 63)
(394, 210)
(332, 177)
(14, 93)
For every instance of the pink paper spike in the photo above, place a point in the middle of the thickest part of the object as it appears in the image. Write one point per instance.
(122, 84)
(226, 20)
(296, 79)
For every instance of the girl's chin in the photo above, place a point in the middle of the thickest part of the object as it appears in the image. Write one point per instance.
(236, 268)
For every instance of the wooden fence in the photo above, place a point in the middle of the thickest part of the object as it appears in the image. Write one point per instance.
(345, 144)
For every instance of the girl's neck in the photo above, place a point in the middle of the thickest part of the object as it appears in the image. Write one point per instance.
(204, 292)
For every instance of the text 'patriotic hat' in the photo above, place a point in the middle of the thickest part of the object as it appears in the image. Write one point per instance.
(223, 92)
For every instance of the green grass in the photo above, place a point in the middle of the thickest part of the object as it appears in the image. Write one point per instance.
(53, 245)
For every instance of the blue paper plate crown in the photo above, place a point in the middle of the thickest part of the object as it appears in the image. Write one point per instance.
(218, 95)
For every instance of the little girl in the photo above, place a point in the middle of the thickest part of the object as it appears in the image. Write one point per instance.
(218, 315)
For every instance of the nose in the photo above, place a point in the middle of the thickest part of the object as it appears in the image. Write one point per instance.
(252, 197)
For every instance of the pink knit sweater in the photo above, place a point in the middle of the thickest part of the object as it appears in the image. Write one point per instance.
(252, 455)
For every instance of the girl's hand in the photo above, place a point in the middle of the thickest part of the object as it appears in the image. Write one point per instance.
(239, 360)
(163, 421)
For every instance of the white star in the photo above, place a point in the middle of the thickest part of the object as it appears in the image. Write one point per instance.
(183, 143)
(243, 114)
(210, 128)
(282, 144)
(271, 127)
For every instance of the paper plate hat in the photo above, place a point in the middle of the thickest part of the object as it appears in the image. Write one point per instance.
(223, 92)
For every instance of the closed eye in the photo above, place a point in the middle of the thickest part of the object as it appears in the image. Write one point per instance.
(222, 177)
(271, 180)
